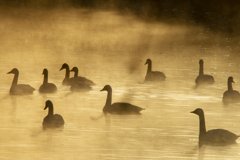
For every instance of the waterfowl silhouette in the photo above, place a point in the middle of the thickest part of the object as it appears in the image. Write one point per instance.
(19, 89)
(215, 136)
(119, 107)
(68, 81)
(153, 75)
(203, 78)
(77, 86)
(47, 87)
(52, 120)
(231, 96)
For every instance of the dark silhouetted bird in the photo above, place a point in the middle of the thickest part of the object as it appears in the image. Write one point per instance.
(203, 78)
(119, 107)
(153, 75)
(215, 136)
(19, 89)
(52, 120)
(77, 86)
(47, 87)
(231, 96)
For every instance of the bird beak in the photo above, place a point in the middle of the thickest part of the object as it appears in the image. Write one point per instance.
(9, 72)
(45, 107)
(61, 68)
(192, 112)
(145, 63)
(102, 90)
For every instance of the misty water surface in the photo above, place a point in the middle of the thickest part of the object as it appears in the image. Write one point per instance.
(109, 48)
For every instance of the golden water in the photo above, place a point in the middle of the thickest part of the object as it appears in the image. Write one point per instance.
(111, 49)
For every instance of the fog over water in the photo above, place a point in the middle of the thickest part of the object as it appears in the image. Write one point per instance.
(112, 48)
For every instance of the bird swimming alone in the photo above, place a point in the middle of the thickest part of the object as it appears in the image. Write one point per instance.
(52, 120)
(19, 89)
(68, 81)
(119, 107)
(203, 78)
(231, 96)
(215, 136)
(153, 75)
(47, 87)
(77, 86)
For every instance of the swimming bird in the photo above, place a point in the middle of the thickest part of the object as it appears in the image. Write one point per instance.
(231, 96)
(19, 89)
(68, 81)
(77, 86)
(215, 136)
(119, 107)
(52, 120)
(47, 87)
(203, 78)
(153, 75)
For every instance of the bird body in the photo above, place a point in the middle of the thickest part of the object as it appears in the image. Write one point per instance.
(19, 89)
(119, 107)
(219, 136)
(47, 87)
(203, 78)
(215, 136)
(153, 75)
(231, 96)
(123, 108)
(77, 86)
(68, 81)
(52, 120)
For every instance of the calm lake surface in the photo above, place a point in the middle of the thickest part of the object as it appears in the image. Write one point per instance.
(111, 49)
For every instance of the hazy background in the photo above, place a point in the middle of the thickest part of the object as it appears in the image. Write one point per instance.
(217, 15)
(109, 41)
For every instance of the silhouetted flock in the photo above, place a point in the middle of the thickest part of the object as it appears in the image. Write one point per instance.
(82, 84)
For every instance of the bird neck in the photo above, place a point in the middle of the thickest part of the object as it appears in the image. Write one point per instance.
(15, 79)
(67, 74)
(149, 67)
(76, 74)
(230, 86)
(108, 101)
(50, 111)
(45, 79)
(201, 69)
(202, 127)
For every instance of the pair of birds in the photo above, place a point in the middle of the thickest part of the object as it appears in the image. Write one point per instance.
(56, 120)
(77, 83)
(160, 76)
(229, 96)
